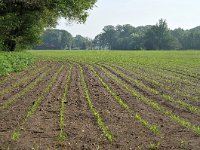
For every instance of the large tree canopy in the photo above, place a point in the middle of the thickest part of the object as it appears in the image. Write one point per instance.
(23, 21)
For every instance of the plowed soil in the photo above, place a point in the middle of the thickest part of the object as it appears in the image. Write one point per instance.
(41, 130)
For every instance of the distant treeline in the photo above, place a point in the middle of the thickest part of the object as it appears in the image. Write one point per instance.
(126, 37)
(54, 39)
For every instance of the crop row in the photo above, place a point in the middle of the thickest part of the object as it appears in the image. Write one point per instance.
(173, 68)
(100, 122)
(153, 128)
(21, 81)
(174, 76)
(183, 72)
(17, 75)
(181, 69)
(160, 74)
(28, 88)
(153, 104)
(16, 134)
(160, 82)
(139, 84)
(62, 134)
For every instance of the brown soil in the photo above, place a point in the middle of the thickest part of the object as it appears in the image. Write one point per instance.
(181, 111)
(42, 129)
(6, 81)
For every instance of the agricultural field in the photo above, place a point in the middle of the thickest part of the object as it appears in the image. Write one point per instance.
(103, 100)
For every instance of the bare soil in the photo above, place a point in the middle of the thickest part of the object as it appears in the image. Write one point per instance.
(41, 130)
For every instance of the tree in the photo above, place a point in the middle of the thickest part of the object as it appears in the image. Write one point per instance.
(193, 38)
(121, 37)
(56, 39)
(159, 37)
(23, 21)
(82, 43)
(109, 36)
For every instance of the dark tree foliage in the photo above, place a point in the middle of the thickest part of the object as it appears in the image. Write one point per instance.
(82, 43)
(54, 39)
(156, 37)
(126, 37)
(23, 21)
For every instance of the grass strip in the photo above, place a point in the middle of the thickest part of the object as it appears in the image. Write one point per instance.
(62, 135)
(16, 134)
(100, 122)
(155, 105)
(153, 128)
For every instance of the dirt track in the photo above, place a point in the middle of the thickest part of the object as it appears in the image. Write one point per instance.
(42, 129)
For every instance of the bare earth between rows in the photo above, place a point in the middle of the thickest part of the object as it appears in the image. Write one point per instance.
(41, 130)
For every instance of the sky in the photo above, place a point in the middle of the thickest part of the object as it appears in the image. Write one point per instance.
(178, 13)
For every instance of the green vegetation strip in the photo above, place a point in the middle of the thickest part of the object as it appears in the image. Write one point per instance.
(21, 81)
(15, 61)
(100, 122)
(31, 86)
(16, 134)
(181, 103)
(155, 105)
(153, 128)
(62, 134)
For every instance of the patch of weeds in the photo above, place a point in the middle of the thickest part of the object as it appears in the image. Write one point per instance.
(15, 135)
(154, 146)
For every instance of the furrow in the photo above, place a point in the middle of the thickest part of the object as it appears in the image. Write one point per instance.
(62, 134)
(166, 87)
(100, 122)
(21, 81)
(155, 105)
(152, 127)
(31, 86)
(179, 102)
(16, 134)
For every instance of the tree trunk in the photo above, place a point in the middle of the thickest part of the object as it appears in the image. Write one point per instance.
(10, 45)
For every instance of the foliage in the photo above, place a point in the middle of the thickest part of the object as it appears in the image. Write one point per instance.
(54, 39)
(23, 21)
(82, 43)
(159, 37)
(13, 62)
(156, 37)
(126, 37)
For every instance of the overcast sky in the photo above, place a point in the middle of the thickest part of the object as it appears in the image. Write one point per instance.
(178, 13)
